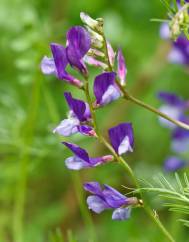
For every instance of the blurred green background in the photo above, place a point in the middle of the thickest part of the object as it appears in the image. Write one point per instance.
(37, 193)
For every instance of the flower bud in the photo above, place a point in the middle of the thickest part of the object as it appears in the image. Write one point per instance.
(95, 24)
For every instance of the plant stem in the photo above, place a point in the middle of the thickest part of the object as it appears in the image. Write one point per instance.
(123, 163)
(129, 97)
(118, 158)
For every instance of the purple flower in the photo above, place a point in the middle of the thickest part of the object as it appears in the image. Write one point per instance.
(79, 114)
(111, 53)
(105, 88)
(109, 198)
(174, 107)
(79, 108)
(122, 69)
(178, 1)
(121, 137)
(180, 138)
(173, 163)
(179, 53)
(81, 158)
(78, 44)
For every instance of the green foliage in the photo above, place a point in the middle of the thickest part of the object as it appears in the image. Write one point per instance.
(175, 194)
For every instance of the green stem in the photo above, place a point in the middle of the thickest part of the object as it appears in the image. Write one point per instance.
(121, 160)
(125, 165)
(21, 186)
(129, 97)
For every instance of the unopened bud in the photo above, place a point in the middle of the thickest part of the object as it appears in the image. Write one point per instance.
(95, 24)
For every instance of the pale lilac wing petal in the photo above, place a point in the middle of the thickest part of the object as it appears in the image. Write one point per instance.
(48, 66)
(121, 214)
(67, 127)
(114, 198)
(81, 153)
(96, 204)
(75, 163)
(164, 31)
(173, 163)
(121, 137)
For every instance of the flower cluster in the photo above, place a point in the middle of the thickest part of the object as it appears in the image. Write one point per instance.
(88, 46)
(175, 107)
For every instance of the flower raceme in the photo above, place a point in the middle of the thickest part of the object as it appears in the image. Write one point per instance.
(109, 198)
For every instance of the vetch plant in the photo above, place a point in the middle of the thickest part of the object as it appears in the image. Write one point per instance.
(88, 45)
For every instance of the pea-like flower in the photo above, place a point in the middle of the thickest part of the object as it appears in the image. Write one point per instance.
(121, 137)
(122, 69)
(81, 158)
(174, 107)
(179, 53)
(78, 44)
(105, 88)
(180, 138)
(174, 163)
(79, 115)
(109, 198)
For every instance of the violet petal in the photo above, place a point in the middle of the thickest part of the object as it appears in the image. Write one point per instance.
(78, 151)
(78, 45)
(80, 108)
(114, 198)
(93, 187)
